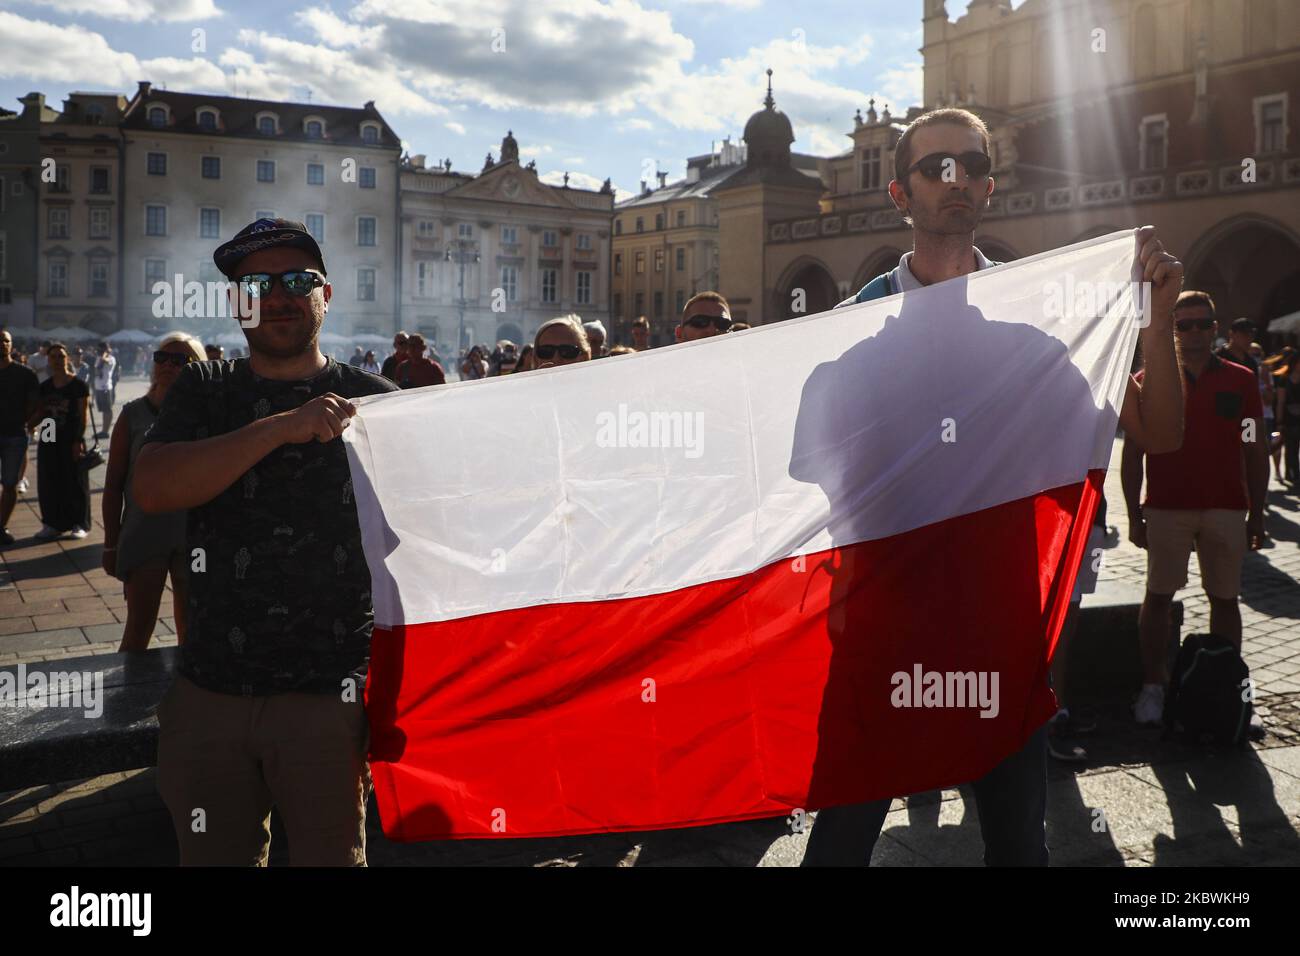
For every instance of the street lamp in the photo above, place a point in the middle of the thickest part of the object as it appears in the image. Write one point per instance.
(461, 251)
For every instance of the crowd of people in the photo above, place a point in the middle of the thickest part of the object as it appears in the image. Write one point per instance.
(237, 462)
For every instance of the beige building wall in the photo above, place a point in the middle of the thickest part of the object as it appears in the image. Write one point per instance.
(557, 232)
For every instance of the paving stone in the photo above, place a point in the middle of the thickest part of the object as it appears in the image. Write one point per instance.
(42, 640)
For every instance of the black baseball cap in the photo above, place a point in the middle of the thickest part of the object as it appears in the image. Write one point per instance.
(265, 234)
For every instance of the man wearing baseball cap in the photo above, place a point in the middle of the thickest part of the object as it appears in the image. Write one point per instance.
(266, 707)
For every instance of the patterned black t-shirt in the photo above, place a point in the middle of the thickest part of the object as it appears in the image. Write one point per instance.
(283, 603)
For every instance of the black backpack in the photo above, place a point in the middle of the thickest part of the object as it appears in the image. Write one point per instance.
(1208, 699)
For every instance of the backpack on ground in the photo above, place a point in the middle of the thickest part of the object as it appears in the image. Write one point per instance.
(1209, 697)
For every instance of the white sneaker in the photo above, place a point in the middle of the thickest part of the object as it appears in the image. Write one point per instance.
(46, 533)
(22, 486)
(78, 533)
(1150, 706)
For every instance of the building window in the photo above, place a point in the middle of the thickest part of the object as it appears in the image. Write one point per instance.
(156, 164)
(423, 273)
(659, 305)
(681, 258)
(266, 170)
(266, 125)
(370, 134)
(640, 262)
(659, 260)
(584, 288)
(680, 301)
(157, 116)
(550, 238)
(618, 263)
(99, 279)
(155, 220)
(57, 286)
(315, 224)
(464, 230)
(207, 120)
(510, 282)
(681, 218)
(1153, 142)
(264, 214)
(366, 179)
(314, 129)
(62, 180)
(639, 300)
(99, 185)
(315, 174)
(1271, 131)
(57, 222)
(640, 224)
(425, 229)
(618, 227)
(549, 285)
(509, 235)
(209, 223)
(155, 271)
(366, 231)
(659, 221)
(210, 167)
(870, 166)
(99, 222)
(365, 285)
(584, 242)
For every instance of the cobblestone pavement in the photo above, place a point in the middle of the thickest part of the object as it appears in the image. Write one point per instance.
(1139, 801)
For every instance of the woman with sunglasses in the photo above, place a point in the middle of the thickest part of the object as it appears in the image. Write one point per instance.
(62, 485)
(140, 549)
(561, 341)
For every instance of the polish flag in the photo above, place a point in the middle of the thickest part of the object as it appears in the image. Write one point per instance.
(818, 562)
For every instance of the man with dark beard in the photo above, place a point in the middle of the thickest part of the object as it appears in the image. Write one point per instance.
(266, 705)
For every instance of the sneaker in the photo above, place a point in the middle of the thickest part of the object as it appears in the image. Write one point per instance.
(6, 537)
(46, 533)
(1150, 706)
(1072, 721)
(22, 486)
(78, 533)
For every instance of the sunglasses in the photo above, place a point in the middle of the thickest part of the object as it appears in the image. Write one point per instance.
(172, 358)
(257, 285)
(550, 351)
(977, 165)
(719, 322)
(1186, 325)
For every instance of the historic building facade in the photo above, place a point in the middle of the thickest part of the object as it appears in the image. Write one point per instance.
(498, 253)
(198, 168)
(1181, 114)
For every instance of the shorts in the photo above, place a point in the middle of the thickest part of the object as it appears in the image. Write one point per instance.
(104, 400)
(174, 563)
(13, 449)
(1217, 534)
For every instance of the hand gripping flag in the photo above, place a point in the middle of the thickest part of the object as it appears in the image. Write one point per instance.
(818, 562)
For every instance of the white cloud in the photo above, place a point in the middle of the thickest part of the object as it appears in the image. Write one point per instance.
(902, 86)
(36, 48)
(136, 11)
(628, 125)
(583, 181)
(456, 128)
(534, 150)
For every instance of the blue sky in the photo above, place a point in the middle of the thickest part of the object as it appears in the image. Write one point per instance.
(596, 87)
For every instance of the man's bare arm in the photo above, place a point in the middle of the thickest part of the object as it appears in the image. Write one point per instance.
(173, 476)
(1152, 413)
(1130, 474)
